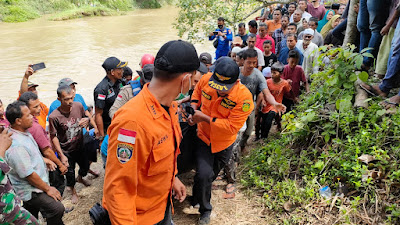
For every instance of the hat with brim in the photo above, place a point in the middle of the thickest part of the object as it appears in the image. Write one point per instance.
(237, 41)
(66, 81)
(202, 68)
(31, 84)
(146, 74)
(225, 75)
(113, 63)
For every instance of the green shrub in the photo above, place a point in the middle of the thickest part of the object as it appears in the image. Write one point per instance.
(18, 13)
(148, 4)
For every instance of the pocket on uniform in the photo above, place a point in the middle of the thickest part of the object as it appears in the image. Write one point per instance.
(161, 161)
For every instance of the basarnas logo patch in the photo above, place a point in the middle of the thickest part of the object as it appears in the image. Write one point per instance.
(246, 105)
(124, 153)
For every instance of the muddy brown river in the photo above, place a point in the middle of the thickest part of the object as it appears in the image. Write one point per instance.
(77, 48)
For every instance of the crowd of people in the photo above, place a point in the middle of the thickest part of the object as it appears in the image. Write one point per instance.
(181, 112)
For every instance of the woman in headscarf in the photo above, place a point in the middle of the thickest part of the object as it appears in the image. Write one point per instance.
(328, 16)
(330, 25)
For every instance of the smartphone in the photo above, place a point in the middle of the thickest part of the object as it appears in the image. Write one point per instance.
(215, 32)
(38, 66)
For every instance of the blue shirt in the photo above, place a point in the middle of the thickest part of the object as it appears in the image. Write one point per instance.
(104, 145)
(223, 43)
(284, 55)
(25, 158)
(57, 103)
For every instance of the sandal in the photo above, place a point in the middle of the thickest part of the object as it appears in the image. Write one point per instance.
(370, 90)
(230, 191)
(388, 104)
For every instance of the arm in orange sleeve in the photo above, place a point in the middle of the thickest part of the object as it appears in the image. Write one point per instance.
(236, 119)
(196, 96)
(121, 179)
(287, 88)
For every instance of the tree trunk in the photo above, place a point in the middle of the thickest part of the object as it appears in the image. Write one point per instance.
(351, 30)
(361, 96)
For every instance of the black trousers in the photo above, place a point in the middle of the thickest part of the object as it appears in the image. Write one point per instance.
(186, 160)
(51, 209)
(208, 165)
(57, 180)
(258, 124)
(288, 103)
(267, 119)
(91, 145)
(79, 157)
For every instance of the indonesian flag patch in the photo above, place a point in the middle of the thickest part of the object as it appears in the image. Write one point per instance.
(119, 97)
(127, 136)
(101, 97)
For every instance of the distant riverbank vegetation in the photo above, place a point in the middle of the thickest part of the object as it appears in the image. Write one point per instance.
(24, 10)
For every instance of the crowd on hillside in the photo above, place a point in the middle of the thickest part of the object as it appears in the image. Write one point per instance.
(181, 111)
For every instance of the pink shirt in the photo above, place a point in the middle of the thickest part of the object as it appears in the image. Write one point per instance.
(260, 42)
(316, 12)
(39, 134)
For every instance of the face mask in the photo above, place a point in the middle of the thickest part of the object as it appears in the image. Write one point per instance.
(190, 92)
(220, 27)
(181, 92)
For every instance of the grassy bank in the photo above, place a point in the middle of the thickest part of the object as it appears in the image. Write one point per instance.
(328, 142)
(24, 10)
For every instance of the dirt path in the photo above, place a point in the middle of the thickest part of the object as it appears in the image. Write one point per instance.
(238, 211)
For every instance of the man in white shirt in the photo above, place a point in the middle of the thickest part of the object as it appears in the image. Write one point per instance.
(302, 6)
(251, 43)
(310, 52)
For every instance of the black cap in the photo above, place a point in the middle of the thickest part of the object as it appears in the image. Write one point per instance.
(202, 68)
(146, 74)
(335, 6)
(113, 63)
(205, 58)
(177, 57)
(127, 71)
(225, 75)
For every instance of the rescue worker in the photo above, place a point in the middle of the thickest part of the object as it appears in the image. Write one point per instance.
(224, 36)
(224, 105)
(106, 92)
(144, 143)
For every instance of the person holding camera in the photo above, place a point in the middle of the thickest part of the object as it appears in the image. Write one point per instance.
(224, 36)
(144, 138)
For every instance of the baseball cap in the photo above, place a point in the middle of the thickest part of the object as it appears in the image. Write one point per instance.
(127, 71)
(177, 57)
(31, 84)
(225, 75)
(66, 81)
(205, 58)
(113, 63)
(146, 73)
(202, 68)
(237, 41)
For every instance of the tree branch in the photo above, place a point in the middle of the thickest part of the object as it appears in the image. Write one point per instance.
(265, 4)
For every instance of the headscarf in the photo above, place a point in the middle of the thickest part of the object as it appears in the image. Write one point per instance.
(328, 27)
(324, 21)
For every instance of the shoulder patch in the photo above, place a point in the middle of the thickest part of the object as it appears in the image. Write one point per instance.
(227, 103)
(101, 97)
(124, 153)
(128, 136)
(246, 105)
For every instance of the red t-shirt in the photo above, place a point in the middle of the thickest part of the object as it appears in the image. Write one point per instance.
(296, 75)
(260, 42)
(277, 90)
(39, 134)
(316, 12)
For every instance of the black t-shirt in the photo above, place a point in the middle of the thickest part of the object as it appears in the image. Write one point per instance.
(269, 60)
(105, 94)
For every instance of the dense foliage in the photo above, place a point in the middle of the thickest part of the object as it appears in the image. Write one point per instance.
(23, 10)
(322, 141)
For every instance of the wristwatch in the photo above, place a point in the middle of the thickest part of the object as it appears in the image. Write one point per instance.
(101, 138)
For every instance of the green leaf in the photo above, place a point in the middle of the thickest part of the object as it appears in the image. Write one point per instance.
(360, 116)
(380, 112)
(363, 76)
(367, 54)
(347, 85)
(319, 165)
(353, 77)
(327, 137)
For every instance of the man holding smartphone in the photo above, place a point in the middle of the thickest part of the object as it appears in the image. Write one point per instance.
(224, 36)
(26, 85)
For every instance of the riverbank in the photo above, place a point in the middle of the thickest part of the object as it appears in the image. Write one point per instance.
(13, 11)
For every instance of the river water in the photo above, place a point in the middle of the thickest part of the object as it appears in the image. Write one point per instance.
(77, 48)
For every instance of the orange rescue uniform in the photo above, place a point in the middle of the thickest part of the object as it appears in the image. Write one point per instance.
(228, 114)
(141, 163)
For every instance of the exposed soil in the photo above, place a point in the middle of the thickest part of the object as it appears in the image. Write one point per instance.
(239, 211)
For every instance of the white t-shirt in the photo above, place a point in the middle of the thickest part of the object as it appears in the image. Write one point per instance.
(260, 56)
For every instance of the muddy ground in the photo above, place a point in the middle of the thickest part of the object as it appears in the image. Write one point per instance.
(238, 211)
